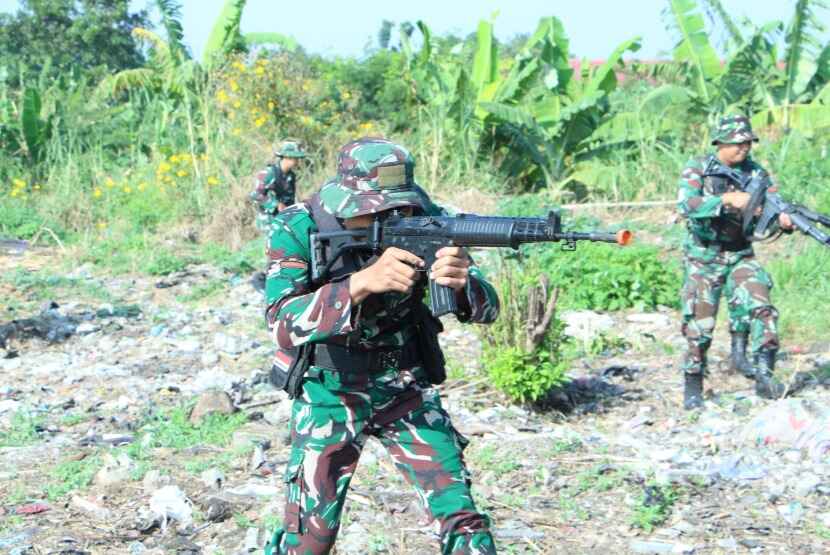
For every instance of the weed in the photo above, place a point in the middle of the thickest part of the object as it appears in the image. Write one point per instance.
(653, 507)
(490, 458)
(202, 291)
(69, 476)
(23, 430)
(174, 429)
(243, 521)
(563, 446)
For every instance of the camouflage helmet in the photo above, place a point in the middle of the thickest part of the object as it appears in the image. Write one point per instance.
(289, 149)
(373, 174)
(733, 130)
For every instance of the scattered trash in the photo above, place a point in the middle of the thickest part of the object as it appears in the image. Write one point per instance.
(32, 509)
(170, 503)
(213, 478)
(252, 542)
(53, 326)
(580, 395)
(90, 508)
(255, 490)
(585, 325)
(791, 512)
(798, 423)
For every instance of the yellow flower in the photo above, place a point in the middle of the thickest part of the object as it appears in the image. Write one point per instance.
(182, 173)
(222, 96)
(164, 167)
(102, 225)
(109, 182)
(236, 131)
(97, 193)
(239, 66)
(203, 157)
(260, 121)
(237, 104)
(174, 158)
(19, 183)
(212, 181)
(127, 189)
(13, 193)
(234, 85)
(36, 187)
(271, 104)
(259, 70)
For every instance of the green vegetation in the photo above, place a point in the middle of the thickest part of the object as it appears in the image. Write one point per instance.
(174, 429)
(492, 459)
(653, 506)
(23, 430)
(69, 476)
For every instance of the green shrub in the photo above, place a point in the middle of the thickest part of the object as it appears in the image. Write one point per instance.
(23, 221)
(606, 277)
(521, 368)
(525, 377)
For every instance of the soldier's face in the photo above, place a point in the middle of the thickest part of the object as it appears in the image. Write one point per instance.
(359, 222)
(732, 154)
(289, 164)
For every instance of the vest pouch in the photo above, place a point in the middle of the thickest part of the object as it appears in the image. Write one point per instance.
(432, 357)
(289, 368)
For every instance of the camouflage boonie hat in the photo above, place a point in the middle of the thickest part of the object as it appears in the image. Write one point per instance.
(732, 130)
(289, 149)
(372, 175)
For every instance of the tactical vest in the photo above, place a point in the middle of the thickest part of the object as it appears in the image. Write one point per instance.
(340, 353)
(729, 225)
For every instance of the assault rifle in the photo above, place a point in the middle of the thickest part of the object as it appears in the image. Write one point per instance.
(423, 236)
(771, 205)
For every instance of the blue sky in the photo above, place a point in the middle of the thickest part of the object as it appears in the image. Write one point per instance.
(337, 27)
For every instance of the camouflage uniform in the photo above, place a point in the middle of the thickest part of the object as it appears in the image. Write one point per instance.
(337, 411)
(718, 259)
(273, 187)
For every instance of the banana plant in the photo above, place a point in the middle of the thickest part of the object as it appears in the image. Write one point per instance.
(226, 37)
(751, 80)
(35, 128)
(541, 115)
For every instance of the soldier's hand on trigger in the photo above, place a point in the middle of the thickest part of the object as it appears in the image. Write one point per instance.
(785, 221)
(393, 271)
(736, 199)
(451, 267)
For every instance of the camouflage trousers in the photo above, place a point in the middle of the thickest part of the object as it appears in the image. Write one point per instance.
(330, 424)
(746, 286)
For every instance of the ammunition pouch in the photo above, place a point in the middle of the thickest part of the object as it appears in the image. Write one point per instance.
(290, 378)
(432, 357)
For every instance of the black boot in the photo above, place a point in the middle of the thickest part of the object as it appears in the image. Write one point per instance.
(766, 385)
(692, 391)
(737, 357)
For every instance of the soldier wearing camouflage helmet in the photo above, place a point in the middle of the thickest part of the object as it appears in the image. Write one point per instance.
(367, 375)
(719, 259)
(276, 185)
(275, 189)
